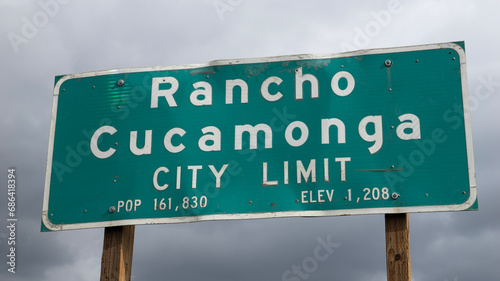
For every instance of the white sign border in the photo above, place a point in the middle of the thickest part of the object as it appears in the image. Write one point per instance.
(417, 209)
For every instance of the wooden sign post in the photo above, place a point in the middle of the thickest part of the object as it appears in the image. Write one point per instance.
(118, 248)
(404, 97)
(397, 243)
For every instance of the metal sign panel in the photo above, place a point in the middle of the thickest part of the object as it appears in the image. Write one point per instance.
(365, 132)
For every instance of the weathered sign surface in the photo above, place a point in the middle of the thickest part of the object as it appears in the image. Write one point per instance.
(373, 131)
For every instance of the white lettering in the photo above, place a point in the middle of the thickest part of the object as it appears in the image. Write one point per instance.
(335, 83)
(178, 178)
(414, 125)
(230, 84)
(95, 137)
(238, 135)
(218, 174)
(195, 172)
(285, 172)
(146, 149)
(310, 172)
(325, 168)
(265, 182)
(167, 141)
(264, 89)
(155, 179)
(376, 136)
(168, 94)
(304, 133)
(214, 137)
(342, 161)
(325, 130)
(299, 81)
(205, 92)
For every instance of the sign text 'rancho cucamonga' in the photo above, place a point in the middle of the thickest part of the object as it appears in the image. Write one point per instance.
(374, 131)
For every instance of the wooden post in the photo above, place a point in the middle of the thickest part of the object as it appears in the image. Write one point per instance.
(118, 248)
(397, 243)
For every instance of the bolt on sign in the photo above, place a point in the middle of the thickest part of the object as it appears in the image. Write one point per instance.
(366, 132)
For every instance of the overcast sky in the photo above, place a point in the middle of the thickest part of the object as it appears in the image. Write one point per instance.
(79, 36)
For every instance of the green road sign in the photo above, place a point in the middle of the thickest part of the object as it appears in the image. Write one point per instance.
(373, 131)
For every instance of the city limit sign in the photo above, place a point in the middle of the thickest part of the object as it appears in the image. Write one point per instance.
(365, 132)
